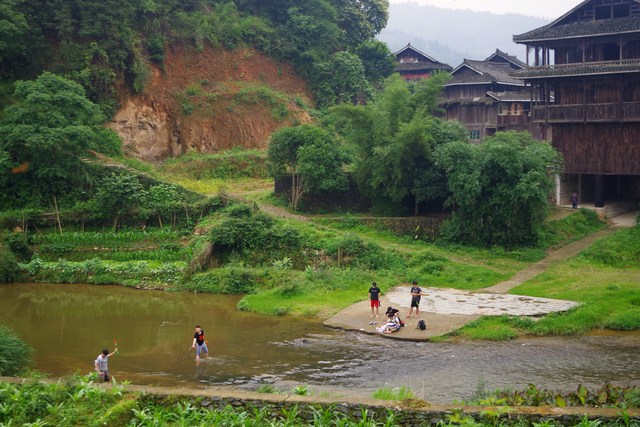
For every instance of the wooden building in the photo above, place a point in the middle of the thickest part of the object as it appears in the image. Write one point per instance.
(412, 64)
(585, 76)
(485, 98)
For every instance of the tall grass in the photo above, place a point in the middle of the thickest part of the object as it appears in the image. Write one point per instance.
(15, 354)
(397, 393)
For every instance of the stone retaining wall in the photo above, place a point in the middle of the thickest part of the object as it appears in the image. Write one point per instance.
(407, 413)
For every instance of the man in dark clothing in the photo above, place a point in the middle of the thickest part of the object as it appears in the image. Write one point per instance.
(374, 298)
(199, 343)
(416, 293)
(574, 200)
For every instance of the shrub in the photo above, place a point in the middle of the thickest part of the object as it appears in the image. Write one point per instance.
(8, 265)
(15, 354)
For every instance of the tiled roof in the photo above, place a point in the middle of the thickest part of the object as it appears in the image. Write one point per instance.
(411, 48)
(510, 96)
(511, 58)
(582, 69)
(581, 29)
(421, 66)
(485, 72)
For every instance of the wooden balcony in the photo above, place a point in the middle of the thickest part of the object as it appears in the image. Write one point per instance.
(515, 120)
(579, 69)
(601, 113)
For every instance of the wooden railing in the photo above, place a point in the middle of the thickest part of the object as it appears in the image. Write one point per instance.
(516, 120)
(609, 112)
(603, 64)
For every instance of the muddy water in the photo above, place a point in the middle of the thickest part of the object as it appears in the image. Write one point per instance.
(68, 325)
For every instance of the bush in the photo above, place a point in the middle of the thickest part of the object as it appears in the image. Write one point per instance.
(15, 354)
(8, 265)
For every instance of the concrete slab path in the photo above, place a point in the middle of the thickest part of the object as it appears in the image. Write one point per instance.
(446, 310)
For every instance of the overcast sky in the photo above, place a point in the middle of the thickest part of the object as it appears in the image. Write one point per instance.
(550, 9)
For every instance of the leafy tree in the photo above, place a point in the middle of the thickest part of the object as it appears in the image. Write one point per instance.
(48, 132)
(378, 61)
(13, 33)
(119, 194)
(162, 200)
(499, 188)
(342, 80)
(361, 20)
(394, 137)
(310, 155)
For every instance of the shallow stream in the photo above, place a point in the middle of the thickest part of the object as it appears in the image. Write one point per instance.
(68, 325)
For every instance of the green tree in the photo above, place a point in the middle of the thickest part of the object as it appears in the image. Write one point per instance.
(13, 33)
(499, 188)
(394, 137)
(117, 195)
(48, 132)
(378, 61)
(342, 80)
(311, 156)
(162, 201)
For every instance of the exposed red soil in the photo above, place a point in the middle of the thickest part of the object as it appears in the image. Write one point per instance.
(191, 104)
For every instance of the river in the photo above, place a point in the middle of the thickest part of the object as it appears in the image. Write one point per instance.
(68, 325)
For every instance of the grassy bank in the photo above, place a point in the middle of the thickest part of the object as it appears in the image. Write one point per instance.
(153, 258)
(77, 400)
(605, 279)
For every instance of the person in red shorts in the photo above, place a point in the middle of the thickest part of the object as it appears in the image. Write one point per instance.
(374, 298)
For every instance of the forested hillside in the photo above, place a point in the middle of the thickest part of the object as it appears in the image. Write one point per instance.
(169, 77)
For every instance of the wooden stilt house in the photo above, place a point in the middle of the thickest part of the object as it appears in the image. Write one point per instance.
(584, 80)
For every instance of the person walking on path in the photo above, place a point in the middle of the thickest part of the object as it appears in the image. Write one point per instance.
(102, 364)
(374, 299)
(199, 343)
(574, 200)
(416, 293)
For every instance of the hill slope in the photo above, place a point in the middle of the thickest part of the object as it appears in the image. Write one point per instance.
(210, 100)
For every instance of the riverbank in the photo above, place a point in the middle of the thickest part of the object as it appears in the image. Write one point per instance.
(142, 405)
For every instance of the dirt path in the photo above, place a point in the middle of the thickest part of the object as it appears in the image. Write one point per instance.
(562, 254)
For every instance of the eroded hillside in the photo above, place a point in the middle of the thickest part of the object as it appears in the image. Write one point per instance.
(210, 100)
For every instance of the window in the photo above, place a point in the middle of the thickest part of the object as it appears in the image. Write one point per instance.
(474, 134)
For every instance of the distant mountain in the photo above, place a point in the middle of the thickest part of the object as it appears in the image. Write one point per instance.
(450, 35)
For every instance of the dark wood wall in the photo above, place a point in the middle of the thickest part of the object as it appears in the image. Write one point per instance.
(599, 149)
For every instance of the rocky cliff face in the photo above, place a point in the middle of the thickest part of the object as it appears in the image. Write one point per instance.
(209, 101)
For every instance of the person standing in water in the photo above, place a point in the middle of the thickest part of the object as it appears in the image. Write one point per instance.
(199, 343)
(102, 366)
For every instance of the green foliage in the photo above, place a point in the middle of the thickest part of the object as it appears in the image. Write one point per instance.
(8, 264)
(578, 224)
(232, 164)
(15, 354)
(119, 194)
(47, 132)
(394, 138)
(621, 250)
(378, 61)
(499, 189)
(397, 393)
(311, 156)
(607, 396)
(341, 79)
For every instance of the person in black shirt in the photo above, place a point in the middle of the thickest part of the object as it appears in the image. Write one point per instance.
(416, 293)
(199, 343)
(374, 298)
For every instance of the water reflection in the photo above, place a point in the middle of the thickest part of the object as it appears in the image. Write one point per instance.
(68, 325)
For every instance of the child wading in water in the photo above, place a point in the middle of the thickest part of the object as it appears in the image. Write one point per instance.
(102, 366)
(199, 343)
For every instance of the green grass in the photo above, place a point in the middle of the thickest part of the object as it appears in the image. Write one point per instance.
(397, 393)
(76, 401)
(609, 294)
(15, 354)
